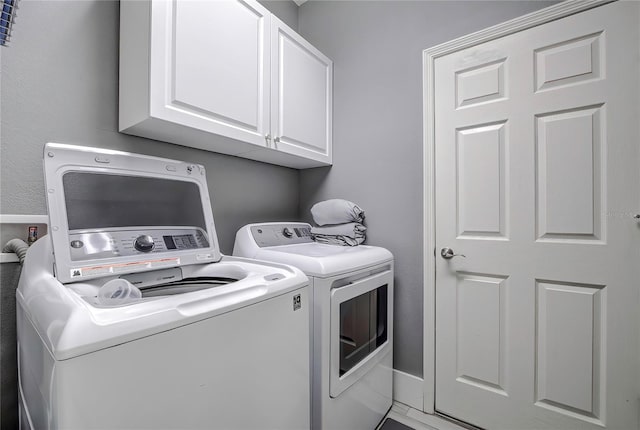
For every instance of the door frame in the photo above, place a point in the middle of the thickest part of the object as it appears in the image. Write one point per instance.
(534, 19)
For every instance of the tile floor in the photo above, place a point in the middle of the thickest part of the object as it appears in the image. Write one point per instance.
(419, 420)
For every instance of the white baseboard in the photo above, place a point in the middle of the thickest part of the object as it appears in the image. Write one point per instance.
(408, 389)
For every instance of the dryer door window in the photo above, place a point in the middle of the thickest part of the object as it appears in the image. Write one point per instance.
(361, 328)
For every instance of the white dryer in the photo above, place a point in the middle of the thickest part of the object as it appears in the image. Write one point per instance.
(213, 342)
(352, 330)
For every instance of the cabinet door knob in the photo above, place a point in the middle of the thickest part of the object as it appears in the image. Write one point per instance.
(267, 138)
(276, 141)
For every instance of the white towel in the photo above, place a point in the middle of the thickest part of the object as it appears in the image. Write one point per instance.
(336, 211)
(350, 234)
(352, 229)
(338, 240)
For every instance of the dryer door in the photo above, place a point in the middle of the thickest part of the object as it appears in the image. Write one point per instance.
(361, 328)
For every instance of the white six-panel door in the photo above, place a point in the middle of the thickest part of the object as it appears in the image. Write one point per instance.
(537, 181)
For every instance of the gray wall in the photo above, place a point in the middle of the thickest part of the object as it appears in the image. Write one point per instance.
(286, 10)
(60, 84)
(376, 47)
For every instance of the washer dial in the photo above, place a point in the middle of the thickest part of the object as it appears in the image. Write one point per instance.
(287, 232)
(144, 243)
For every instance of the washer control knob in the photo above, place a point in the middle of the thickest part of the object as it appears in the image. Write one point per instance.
(144, 243)
(287, 232)
(76, 244)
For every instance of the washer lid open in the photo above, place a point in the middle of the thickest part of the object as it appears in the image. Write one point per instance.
(113, 212)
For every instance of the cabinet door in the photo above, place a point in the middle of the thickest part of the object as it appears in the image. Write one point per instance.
(301, 95)
(210, 66)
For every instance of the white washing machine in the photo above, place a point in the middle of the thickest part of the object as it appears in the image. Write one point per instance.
(352, 330)
(213, 342)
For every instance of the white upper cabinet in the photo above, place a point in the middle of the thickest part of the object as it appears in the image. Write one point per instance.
(213, 61)
(301, 95)
(224, 76)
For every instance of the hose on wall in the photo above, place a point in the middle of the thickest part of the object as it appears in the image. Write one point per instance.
(18, 247)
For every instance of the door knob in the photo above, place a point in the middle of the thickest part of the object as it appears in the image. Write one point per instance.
(448, 254)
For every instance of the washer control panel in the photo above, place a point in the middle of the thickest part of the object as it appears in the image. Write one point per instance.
(281, 234)
(107, 243)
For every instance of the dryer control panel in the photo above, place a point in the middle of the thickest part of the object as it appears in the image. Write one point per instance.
(275, 234)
